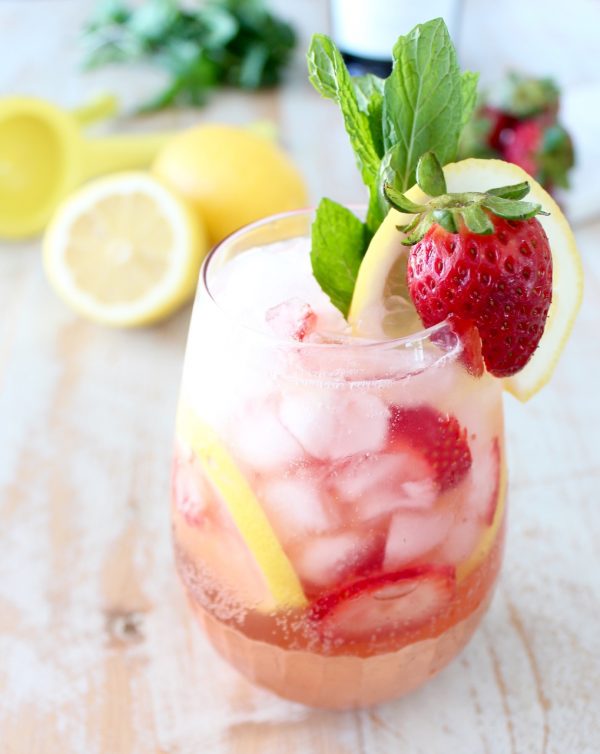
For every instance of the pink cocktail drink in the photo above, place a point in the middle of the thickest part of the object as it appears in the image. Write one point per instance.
(338, 503)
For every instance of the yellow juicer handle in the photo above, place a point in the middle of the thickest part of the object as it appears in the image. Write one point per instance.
(101, 107)
(109, 154)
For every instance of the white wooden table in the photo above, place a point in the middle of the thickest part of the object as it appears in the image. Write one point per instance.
(98, 653)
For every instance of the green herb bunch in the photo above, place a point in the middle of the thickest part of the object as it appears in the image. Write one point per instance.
(421, 107)
(221, 43)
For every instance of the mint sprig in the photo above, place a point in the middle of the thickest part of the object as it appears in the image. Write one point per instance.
(422, 106)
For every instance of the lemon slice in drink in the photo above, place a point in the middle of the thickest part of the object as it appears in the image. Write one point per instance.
(124, 250)
(376, 275)
(245, 510)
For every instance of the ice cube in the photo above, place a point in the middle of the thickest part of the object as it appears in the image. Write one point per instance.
(292, 319)
(189, 487)
(261, 441)
(380, 484)
(357, 478)
(410, 495)
(263, 277)
(324, 560)
(462, 538)
(484, 480)
(336, 423)
(353, 360)
(413, 534)
(428, 383)
(294, 506)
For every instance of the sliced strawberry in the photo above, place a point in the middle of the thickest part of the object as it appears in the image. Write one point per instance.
(292, 319)
(401, 600)
(439, 437)
(471, 355)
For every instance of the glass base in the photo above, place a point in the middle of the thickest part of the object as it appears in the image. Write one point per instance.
(338, 682)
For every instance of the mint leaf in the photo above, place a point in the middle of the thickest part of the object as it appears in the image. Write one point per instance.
(422, 106)
(468, 83)
(369, 95)
(368, 87)
(330, 77)
(339, 242)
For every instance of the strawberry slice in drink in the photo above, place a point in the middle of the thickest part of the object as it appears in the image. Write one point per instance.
(438, 437)
(471, 355)
(406, 599)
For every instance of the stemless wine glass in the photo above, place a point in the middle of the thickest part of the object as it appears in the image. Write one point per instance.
(338, 504)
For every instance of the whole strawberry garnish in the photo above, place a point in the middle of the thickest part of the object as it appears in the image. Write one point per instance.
(479, 257)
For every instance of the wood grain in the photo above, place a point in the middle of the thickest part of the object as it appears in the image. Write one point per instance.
(98, 654)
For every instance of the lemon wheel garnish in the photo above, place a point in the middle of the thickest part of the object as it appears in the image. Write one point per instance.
(489, 536)
(369, 310)
(245, 511)
(124, 250)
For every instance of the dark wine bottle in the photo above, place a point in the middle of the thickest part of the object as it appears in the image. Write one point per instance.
(365, 30)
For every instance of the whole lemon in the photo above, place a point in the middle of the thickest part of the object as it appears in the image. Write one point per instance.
(230, 175)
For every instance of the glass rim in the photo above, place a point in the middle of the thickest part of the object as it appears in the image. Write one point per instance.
(351, 343)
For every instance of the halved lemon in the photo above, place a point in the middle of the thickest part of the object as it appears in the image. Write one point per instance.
(124, 250)
(245, 510)
(379, 271)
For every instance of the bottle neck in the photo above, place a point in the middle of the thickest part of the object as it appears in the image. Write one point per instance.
(366, 31)
(359, 65)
